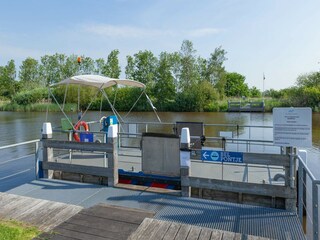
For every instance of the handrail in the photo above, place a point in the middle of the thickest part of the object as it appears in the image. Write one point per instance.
(313, 178)
(20, 144)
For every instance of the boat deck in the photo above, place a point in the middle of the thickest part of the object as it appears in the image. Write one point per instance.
(238, 218)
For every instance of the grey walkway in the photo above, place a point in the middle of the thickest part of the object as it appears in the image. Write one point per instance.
(245, 219)
(41, 213)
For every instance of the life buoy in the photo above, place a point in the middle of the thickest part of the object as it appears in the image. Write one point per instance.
(84, 125)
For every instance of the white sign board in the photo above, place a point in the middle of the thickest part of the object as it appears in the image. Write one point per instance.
(292, 127)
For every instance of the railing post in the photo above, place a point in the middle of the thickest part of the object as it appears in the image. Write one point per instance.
(185, 162)
(113, 157)
(37, 167)
(315, 218)
(301, 182)
(47, 152)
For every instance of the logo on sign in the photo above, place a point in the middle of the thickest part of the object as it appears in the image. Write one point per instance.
(214, 156)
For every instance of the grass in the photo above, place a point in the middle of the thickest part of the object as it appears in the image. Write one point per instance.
(13, 230)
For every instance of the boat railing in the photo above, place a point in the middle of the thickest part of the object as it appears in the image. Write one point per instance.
(24, 156)
(308, 198)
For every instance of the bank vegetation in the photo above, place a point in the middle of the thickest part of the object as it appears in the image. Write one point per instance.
(178, 81)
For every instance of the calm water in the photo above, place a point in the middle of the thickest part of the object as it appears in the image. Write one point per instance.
(18, 127)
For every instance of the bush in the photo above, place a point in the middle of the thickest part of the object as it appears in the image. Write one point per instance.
(32, 96)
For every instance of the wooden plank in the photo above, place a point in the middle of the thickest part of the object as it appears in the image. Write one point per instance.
(205, 234)
(243, 187)
(143, 226)
(161, 230)
(102, 223)
(266, 159)
(25, 208)
(75, 168)
(77, 235)
(145, 235)
(172, 231)
(228, 235)
(183, 232)
(194, 233)
(216, 235)
(97, 232)
(124, 214)
(62, 216)
(84, 146)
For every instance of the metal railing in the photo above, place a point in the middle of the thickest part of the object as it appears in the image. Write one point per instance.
(308, 199)
(36, 153)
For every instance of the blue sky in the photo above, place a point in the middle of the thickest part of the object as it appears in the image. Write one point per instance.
(280, 38)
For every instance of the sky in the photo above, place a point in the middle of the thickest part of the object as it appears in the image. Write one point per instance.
(277, 38)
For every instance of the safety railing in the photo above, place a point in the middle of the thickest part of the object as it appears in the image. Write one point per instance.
(19, 163)
(308, 199)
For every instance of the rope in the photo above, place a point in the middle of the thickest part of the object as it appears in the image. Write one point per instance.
(65, 96)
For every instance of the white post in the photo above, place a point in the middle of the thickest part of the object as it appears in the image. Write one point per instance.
(47, 152)
(113, 157)
(185, 162)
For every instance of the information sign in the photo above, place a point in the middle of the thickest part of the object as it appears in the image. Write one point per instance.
(292, 127)
(222, 156)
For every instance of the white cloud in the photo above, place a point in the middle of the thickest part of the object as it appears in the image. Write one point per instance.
(106, 30)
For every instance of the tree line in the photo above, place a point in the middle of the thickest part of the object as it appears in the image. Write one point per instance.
(178, 81)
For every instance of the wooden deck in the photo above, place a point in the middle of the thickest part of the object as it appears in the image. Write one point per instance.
(100, 222)
(37, 212)
(156, 229)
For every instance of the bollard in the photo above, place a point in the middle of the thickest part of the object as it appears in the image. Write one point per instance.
(185, 162)
(113, 157)
(47, 152)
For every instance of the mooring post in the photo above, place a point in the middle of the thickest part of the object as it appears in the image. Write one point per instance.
(47, 152)
(185, 162)
(113, 157)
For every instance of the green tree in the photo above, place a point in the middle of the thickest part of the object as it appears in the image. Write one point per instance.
(51, 68)
(8, 84)
(254, 92)
(142, 67)
(189, 73)
(99, 65)
(29, 74)
(309, 80)
(235, 85)
(164, 90)
(70, 67)
(112, 68)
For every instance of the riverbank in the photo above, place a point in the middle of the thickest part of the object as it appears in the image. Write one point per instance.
(221, 106)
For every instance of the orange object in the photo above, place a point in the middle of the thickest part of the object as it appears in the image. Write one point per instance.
(84, 125)
(79, 60)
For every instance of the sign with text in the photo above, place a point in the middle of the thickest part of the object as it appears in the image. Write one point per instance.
(222, 156)
(292, 127)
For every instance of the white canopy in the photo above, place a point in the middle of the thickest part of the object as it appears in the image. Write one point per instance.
(99, 81)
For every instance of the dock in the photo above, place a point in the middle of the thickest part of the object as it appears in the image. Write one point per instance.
(102, 222)
(222, 216)
(246, 106)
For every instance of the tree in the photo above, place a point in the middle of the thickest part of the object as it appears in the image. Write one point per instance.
(164, 90)
(51, 68)
(235, 85)
(309, 80)
(29, 74)
(142, 67)
(189, 73)
(112, 68)
(254, 92)
(8, 84)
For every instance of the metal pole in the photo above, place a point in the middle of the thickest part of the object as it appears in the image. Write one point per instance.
(37, 160)
(300, 192)
(315, 218)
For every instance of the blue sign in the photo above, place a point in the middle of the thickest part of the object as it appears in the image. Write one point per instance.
(221, 156)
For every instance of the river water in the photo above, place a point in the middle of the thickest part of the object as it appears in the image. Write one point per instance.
(23, 126)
